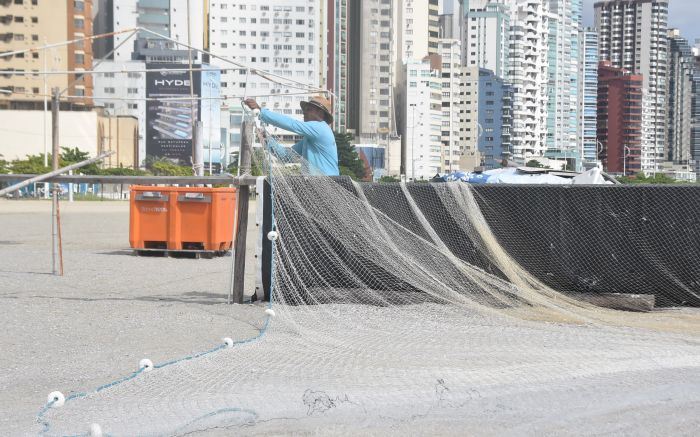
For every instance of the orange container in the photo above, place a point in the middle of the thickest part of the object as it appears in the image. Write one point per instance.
(182, 218)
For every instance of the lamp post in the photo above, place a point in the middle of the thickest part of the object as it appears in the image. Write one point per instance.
(413, 139)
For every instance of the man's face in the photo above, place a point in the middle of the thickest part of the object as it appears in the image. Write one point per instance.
(312, 113)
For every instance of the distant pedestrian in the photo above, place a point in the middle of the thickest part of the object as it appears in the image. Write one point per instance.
(318, 146)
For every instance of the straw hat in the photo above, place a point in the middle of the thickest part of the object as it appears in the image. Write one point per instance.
(321, 103)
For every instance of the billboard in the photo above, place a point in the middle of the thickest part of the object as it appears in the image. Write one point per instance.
(210, 115)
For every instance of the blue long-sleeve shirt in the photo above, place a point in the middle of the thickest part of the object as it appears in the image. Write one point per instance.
(318, 146)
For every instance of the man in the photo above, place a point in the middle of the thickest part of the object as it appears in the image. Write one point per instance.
(318, 146)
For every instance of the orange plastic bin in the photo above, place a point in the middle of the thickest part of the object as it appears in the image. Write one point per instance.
(182, 218)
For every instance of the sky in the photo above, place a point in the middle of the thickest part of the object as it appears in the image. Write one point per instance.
(682, 14)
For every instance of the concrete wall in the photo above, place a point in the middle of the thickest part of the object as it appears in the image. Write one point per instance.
(23, 134)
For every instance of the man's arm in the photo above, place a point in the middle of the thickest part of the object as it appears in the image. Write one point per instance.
(280, 150)
(288, 123)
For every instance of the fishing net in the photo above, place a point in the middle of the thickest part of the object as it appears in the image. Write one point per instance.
(424, 308)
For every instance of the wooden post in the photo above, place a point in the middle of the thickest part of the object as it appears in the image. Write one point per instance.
(236, 295)
(56, 254)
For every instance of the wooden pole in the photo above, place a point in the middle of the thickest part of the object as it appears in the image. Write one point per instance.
(56, 255)
(236, 295)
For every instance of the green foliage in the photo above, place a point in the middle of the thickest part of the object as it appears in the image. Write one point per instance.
(535, 164)
(32, 164)
(389, 179)
(162, 168)
(72, 156)
(349, 162)
(122, 171)
(641, 178)
(4, 166)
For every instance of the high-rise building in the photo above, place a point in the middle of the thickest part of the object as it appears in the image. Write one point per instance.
(371, 69)
(169, 18)
(485, 35)
(632, 35)
(417, 29)
(681, 71)
(695, 126)
(528, 54)
(282, 39)
(563, 75)
(423, 114)
(103, 22)
(469, 118)
(620, 107)
(452, 138)
(650, 163)
(588, 96)
(25, 25)
(338, 57)
(495, 98)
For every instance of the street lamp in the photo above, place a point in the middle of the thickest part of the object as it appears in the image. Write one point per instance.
(625, 154)
(413, 138)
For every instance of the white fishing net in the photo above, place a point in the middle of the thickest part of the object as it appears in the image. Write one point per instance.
(396, 309)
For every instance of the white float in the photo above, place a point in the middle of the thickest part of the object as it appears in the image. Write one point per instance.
(270, 312)
(146, 365)
(95, 430)
(228, 341)
(272, 235)
(56, 399)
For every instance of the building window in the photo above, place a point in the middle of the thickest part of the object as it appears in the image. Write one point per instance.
(109, 90)
(132, 90)
(79, 5)
(79, 23)
(79, 58)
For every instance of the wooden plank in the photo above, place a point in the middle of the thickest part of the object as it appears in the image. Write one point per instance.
(243, 200)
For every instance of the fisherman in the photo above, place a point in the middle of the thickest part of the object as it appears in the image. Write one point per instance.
(318, 146)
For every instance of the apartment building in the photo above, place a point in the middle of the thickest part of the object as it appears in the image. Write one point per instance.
(469, 127)
(620, 105)
(26, 24)
(632, 35)
(563, 77)
(681, 71)
(169, 18)
(695, 126)
(451, 137)
(423, 115)
(495, 119)
(588, 97)
(528, 73)
(486, 35)
(372, 67)
(338, 54)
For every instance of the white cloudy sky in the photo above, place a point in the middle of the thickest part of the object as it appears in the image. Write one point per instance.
(682, 14)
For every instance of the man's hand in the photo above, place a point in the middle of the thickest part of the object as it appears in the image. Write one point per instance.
(251, 103)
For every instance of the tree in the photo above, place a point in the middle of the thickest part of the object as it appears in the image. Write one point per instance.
(534, 163)
(641, 178)
(122, 171)
(389, 179)
(72, 156)
(32, 164)
(4, 166)
(161, 166)
(349, 162)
